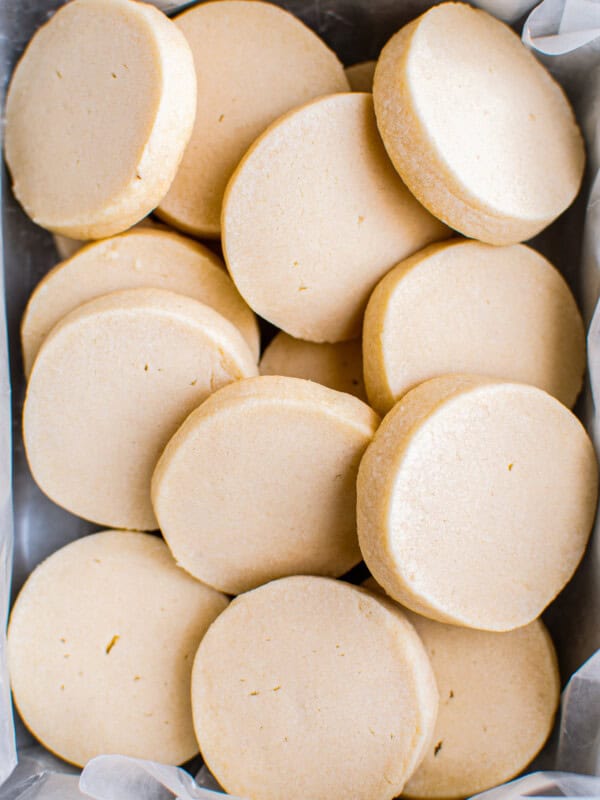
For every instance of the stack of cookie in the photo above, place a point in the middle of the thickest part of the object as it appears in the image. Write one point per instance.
(413, 411)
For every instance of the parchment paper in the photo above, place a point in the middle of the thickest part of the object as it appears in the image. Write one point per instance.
(565, 34)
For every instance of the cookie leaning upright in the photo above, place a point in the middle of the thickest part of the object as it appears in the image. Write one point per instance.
(254, 61)
(99, 111)
(111, 384)
(260, 482)
(312, 688)
(475, 501)
(101, 643)
(315, 215)
(477, 128)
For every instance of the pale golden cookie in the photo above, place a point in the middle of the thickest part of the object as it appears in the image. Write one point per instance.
(99, 111)
(478, 129)
(498, 696)
(475, 501)
(315, 215)
(254, 61)
(470, 308)
(260, 482)
(110, 385)
(338, 366)
(66, 247)
(312, 688)
(137, 259)
(360, 76)
(101, 643)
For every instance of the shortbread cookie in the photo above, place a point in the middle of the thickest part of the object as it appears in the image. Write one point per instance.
(110, 385)
(99, 111)
(498, 696)
(315, 215)
(101, 644)
(254, 61)
(137, 259)
(66, 247)
(478, 129)
(360, 76)
(475, 501)
(309, 687)
(260, 482)
(338, 366)
(470, 308)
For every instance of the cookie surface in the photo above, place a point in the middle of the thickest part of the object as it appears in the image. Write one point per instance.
(288, 451)
(116, 626)
(254, 61)
(338, 366)
(309, 687)
(501, 521)
(99, 111)
(136, 259)
(66, 247)
(473, 130)
(462, 307)
(315, 215)
(109, 387)
(498, 696)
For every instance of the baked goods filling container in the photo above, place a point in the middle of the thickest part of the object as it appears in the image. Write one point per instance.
(565, 35)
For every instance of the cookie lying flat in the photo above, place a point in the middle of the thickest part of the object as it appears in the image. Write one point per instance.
(254, 61)
(115, 625)
(498, 696)
(338, 366)
(99, 111)
(478, 129)
(287, 451)
(309, 687)
(475, 501)
(315, 215)
(360, 76)
(470, 308)
(137, 259)
(109, 387)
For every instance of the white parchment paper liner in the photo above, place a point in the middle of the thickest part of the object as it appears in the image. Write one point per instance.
(566, 36)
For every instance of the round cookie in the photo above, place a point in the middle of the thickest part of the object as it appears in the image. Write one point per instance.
(315, 215)
(99, 111)
(475, 501)
(338, 366)
(498, 696)
(101, 643)
(309, 687)
(66, 247)
(463, 307)
(137, 259)
(254, 61)
(110, 385)
(482, 135)
(260, 482)
(360, 76)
